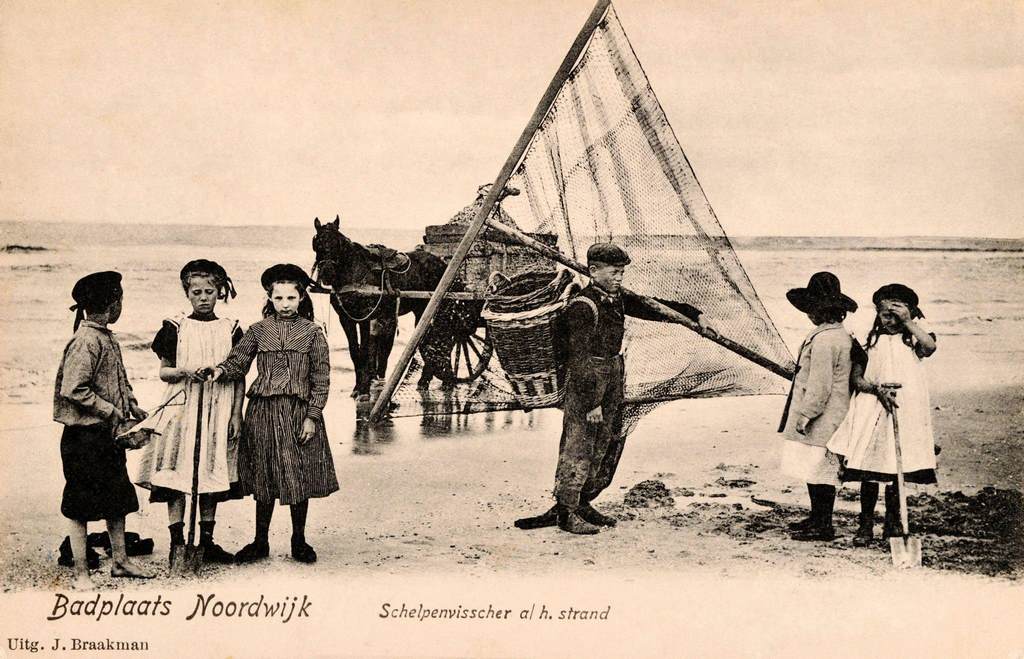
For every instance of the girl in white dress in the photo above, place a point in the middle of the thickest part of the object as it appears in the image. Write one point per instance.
(185, 345)
(865, 442)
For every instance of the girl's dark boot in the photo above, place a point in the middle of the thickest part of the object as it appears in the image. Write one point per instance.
(892, 529)
(259, 548)
(822, 529)
(301, 551)
(808, 521)
(212, 552)
(866, 526)
(177, 533)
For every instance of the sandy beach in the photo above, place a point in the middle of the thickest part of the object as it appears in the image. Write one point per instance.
(882, 144)
(698, 488)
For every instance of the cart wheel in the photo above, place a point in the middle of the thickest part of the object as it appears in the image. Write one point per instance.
(470, 354)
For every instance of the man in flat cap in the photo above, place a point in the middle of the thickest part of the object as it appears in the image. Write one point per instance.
(592, 441)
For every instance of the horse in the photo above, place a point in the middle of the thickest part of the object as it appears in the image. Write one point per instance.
(371, 322)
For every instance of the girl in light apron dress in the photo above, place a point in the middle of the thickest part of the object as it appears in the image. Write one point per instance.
(185, 345)
(896, 346)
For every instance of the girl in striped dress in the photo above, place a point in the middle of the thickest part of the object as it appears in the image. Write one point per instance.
(283, 453)
(185, 345)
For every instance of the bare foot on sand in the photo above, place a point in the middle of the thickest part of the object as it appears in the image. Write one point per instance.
(130, 570)
(82, 582)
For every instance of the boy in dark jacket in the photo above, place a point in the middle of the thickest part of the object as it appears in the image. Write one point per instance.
(592, 441)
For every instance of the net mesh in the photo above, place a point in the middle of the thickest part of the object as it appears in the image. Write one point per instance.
(606, 166)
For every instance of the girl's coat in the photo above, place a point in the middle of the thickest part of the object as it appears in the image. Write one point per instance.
(821, 388)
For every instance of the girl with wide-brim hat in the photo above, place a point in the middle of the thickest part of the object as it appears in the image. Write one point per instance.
(818, 400)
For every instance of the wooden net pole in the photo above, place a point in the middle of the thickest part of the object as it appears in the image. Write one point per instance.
(786, 371)
(577, 48)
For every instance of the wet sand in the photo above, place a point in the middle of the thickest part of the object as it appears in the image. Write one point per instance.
(442, 499)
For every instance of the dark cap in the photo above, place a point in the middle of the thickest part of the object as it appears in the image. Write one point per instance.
(285, 272)
(96, 292)
(203, 267)
(822, 292)
(608, 254)
(899, 292)
(225, 287)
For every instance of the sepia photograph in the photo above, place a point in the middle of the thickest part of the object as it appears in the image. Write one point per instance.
(552, 328)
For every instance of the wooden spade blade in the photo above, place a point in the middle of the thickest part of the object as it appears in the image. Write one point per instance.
(194, 559)
(186, 559)
(905, 551)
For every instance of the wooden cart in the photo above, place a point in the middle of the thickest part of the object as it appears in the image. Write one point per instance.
(494, 254)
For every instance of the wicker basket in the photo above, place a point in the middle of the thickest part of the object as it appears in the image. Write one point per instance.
(524, 328)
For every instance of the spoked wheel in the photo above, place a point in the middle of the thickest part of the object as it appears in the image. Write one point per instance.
(471, 353)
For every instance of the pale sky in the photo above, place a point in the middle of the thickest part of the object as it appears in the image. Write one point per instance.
(816, 118)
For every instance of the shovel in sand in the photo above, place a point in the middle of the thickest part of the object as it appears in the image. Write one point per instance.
(188, 558)
(905, 550)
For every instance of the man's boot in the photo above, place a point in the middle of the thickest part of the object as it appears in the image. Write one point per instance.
(544, 520)
(570, 521)
(594, 516)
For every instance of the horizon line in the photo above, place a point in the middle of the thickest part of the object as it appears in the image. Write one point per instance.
(379, 228)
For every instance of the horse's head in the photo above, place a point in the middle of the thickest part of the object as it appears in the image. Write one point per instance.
(331, 248)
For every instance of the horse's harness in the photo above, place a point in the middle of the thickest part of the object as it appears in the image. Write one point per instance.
(384, 260)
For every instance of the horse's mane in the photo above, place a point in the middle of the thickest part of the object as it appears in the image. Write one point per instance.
(362, 250)
(355, 262)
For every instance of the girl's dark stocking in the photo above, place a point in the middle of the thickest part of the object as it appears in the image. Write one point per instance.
(827, 494)
(866, 527)
(301, 551)
(868, 499)
(264, 515)
(299, 511)
(892, 512)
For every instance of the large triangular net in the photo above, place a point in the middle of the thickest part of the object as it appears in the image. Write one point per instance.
(606, 166)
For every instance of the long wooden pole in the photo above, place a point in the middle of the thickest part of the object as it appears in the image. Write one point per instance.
(595, 18)
(667, 312)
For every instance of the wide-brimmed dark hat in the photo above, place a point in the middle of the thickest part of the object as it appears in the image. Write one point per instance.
(285, 272)
(96, 291)
(822, 292)
(608, 254)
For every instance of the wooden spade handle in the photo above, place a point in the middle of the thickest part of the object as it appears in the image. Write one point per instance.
(195, 466)
(901, 489)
